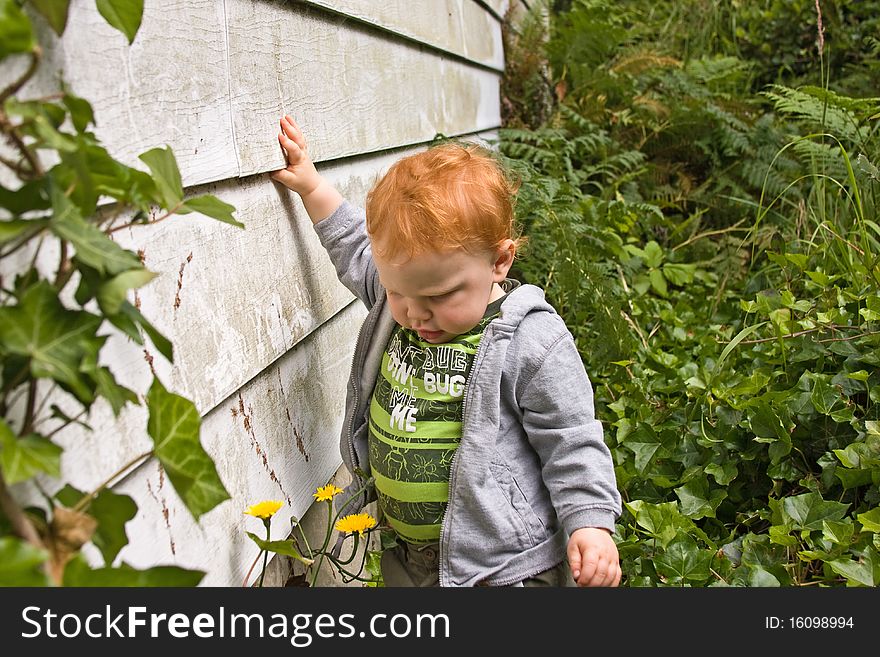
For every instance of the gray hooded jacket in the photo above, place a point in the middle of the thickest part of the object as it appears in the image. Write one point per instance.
(532, 465)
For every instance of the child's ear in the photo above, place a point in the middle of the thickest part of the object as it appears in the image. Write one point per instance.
(503, 260)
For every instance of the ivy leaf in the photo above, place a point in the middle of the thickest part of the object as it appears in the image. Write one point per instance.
(807, 511)
(124, 15)
(112, 293)
(859, 573)
(160, 341)
(78, 573)
(112, 511)
(211, 206)
(696, 500)
(644, 443)
(30, 196)
(662, 521)
(53, 337)
(870, 520)
(21, 564)
(22, 458)
(55, 13)
(174, 425)
(9, 230)
(682, 560)
(287, 548)
(166, 174)
(16, 33)
(81, 113)
(92, 246)
(724, 472)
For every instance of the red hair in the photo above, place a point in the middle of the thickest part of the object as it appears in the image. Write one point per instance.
(449, 196)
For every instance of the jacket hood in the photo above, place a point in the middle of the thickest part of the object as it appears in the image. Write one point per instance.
(521, 301)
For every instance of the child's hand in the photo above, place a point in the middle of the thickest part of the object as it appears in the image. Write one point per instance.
(300, 174)
(592, 556)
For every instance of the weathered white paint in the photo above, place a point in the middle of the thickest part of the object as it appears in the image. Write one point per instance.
(460, 27)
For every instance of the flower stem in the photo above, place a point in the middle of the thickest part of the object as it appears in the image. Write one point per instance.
(268, 523)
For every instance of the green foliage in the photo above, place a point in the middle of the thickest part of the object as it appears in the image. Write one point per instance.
(53, 323)
(716, 253)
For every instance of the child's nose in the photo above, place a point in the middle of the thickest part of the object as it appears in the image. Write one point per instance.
(418, 312)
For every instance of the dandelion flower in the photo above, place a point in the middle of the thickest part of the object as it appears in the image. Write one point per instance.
(327, 492)
(356, 522)
(265, 509)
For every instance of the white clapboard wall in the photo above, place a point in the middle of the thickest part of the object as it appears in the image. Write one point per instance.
(263, 332)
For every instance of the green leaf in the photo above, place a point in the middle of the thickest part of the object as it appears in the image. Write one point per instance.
(870, 520)
(653, 254)
(856, 572)
(211, 206)
(160, 341)
(16, 34)
(682, 560)
(112, 511)
(112, 293)
(22, 458)
(759, 577)
(174, 425)
(696, 500)
(287, 548)
(28, 197)
(54, 11)
(81, 113)
(10, 230)
(644, 443)
(78, 573)
(824, 396)
(838, 531)
(662, 521)
(92, 246)
(678, 273)
(124, 15)
(742, 335)
(54, 338)
(807, 511)
(658, 282)
(724, 472)
(21, 564)
(163, 166)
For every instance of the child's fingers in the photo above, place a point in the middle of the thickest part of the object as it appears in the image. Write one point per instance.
(292, 151)
(574, 561)
(292, 130)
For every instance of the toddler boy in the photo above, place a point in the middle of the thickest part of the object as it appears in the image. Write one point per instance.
(468, 402)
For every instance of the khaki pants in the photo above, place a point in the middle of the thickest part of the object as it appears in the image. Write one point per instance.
(419, 565)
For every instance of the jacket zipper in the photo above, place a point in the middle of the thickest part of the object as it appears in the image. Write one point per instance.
(452, 471)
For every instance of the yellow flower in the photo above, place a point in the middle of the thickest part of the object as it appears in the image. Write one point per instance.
(327, 492)
(265, 509)
(356, 522)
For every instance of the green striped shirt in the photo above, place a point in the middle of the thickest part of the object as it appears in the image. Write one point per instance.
(415, 425)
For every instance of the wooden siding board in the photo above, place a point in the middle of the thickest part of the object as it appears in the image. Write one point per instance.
(351, 90)
(460, 27)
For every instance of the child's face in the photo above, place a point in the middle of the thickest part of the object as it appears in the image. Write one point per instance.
(442, 294)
